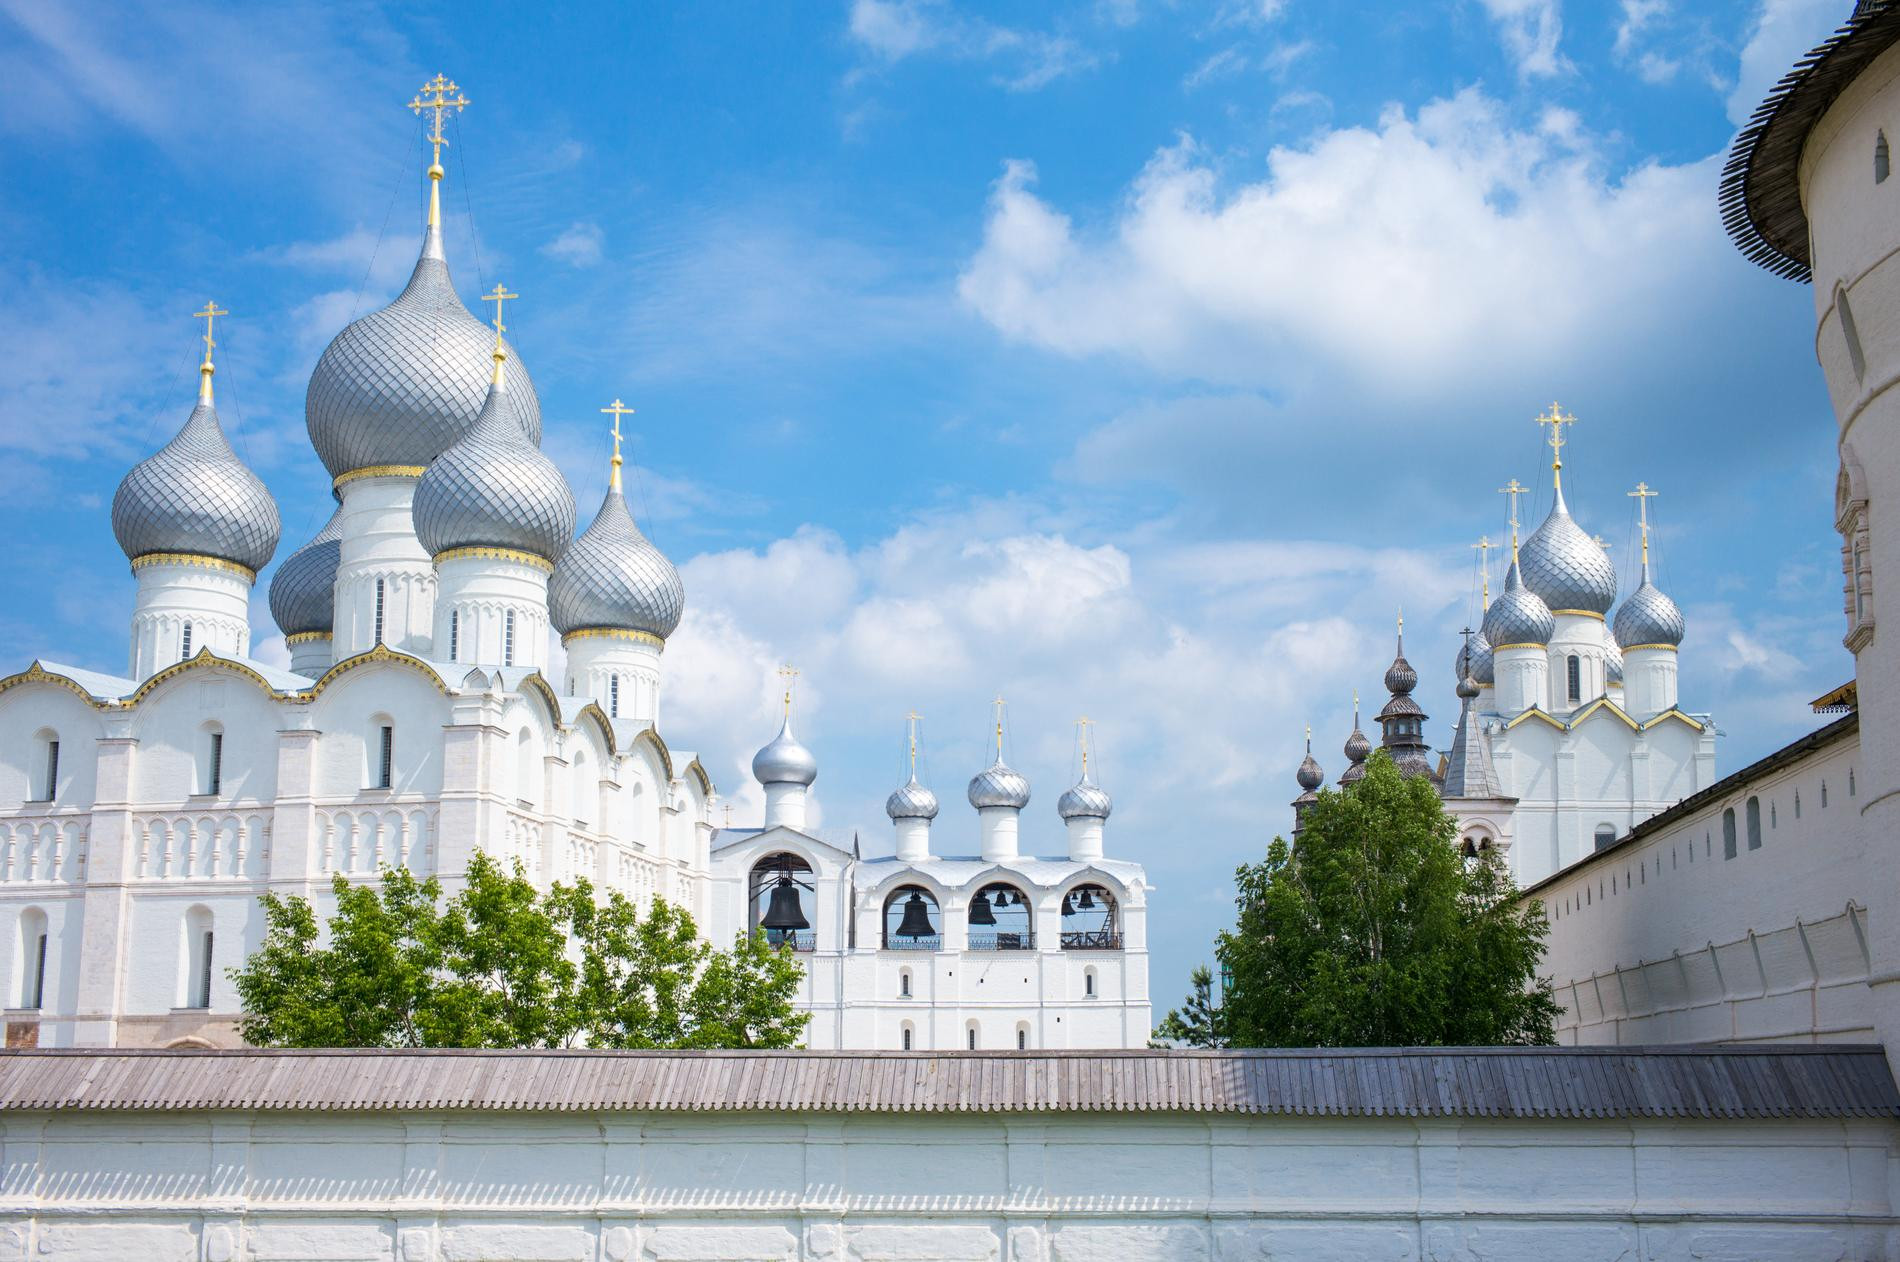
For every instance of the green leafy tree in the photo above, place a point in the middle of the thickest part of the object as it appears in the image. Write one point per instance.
(1371, 930)
(504, 965)
(1198, 1022)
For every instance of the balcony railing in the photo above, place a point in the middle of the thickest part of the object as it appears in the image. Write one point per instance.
(1003, 941)
(923, 942)
(797, 939)
(1092, 940)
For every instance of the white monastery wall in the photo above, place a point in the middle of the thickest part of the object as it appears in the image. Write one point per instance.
(681, 1187)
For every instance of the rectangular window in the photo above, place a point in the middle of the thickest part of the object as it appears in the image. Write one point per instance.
(214, 770)
(385, 758)
(36, 991)
(613, 697)
(52, 770)
(1754, 823)
(455, 633)
(1575, 671)
(973, 1038)
(508, 639)
(185, 648)
(204, 976)
(379, 611)
(903, 985)
(1728, 833)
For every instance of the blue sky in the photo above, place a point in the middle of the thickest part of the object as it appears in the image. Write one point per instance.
(1129, 359)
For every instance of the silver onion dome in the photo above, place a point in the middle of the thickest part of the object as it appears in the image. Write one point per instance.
(1467, 688)
(612, 577)
(1647, 616)
(400, 385)
(303, 590)
(194, 496)
(784, 761)
(911, 801)
(1086, 800)
(1565, 567)
(494, 489)
(1613, 666)
(1519, 615)
(999, 785)
(1483, 668)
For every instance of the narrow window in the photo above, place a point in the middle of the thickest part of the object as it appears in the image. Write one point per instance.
(214, 766)
(455, 634)
(1088, 983)
(1824, 795)
(379, 611)
(185, 645)
(52, 770)
(1850, 782)
(1754, 823)
(1850, 333)
(1883, 162)
(508, 639)
(1774, 816)
(385, 758)
(907, 1038)
(36, 990)
(973, 1038)
(1022, 1039)
(613, 697)
(1575, 668)
(1605, 836)
(204, 976)
(1728, 833)
(903, 983)
(1797, 804)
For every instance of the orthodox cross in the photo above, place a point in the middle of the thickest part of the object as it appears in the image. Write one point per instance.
(998, 703)
(498, 295)
(619, 410)
(1556, 418)
(1082, 726)
(211, 312)
(1513, 490)
(789, 674)
(444, 95)
(1642, 495)
(912, 718)
(1484, 546)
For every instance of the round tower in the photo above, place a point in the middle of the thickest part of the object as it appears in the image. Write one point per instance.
(1085, 806)
(785, 769)
(1401, 721)
(999, 793)
(911, 808)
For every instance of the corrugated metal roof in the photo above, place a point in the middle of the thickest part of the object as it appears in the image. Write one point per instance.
(1505, 1082)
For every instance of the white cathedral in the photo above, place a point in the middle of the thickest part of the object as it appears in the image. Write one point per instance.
(142, 815)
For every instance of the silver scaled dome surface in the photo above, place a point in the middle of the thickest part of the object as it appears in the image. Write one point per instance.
(911, 801)
(194, 496)
(1085, 800)
(1475, 660)
(999, 785)
(1519, 615)
(494, 489)
(1647, 616)
(303, 590)
(613, 578)
(784, 761)
(400, 385)
(1565, 567)
(1613, 666)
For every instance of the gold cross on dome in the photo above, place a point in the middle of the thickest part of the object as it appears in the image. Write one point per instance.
(618, 409)
(444, 95)
(1082, 726)
(1513, 489)
(789, 674)
(1556, 418)
(498, 295)
(1642, 495)
(211, 312)
(912, 718)
(1484, 546)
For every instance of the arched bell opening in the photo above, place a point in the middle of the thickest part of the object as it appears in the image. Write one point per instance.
(781, 901)
(1091, 920)
(912, 920)
(1002, 919)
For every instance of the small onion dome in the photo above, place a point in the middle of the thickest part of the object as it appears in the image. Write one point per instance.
(612, 578)
(194, 496)
(1613, 669)
(785, 761)
(999, 785)
(1648, 617)
(1310, 775)
(1358, 749)
(1400, 678)
(1467, 688)
(1086, 800)
(399, 386)
(912, 801)
(1565, 567)
(1519, 615)
(1483, 669)
(494, 489)
(303, 591)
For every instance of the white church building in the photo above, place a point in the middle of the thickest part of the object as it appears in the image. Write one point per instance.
(142, 814)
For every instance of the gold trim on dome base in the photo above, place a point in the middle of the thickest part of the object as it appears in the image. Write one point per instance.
(487, 553)
(1499, 648)
(306, 637)
(1633, 647)
(377, 471)
(614, 633)
(1577, 613)
(197, 559)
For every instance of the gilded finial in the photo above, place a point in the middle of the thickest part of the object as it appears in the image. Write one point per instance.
(1512, 489)
(498, 296)
(1484, 546)
(998, 703)
(211, 312)
(1082, 726)
(1355, 707)
(619, 410)
(1642, 495)
(789, 674)
(913, 717)
(444, 95)
(1556, 418)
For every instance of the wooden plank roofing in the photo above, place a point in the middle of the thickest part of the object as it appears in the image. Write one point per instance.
(1501, 1082)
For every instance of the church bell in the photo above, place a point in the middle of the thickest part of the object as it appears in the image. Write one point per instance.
(980, 913)
(916, 919)
(783, 912)
(1085, 903)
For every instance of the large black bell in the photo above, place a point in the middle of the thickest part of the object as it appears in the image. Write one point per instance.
(1085, 903)
(783, 911)
(980, 913)
(1068, 904)
(916, 919)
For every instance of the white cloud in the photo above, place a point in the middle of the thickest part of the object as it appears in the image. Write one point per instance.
(1224, 64)
(1782, 30)
(893, 30)
(579, 245)
(1531, 31)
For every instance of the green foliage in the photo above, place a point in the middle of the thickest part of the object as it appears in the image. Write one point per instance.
(502, 965)
(1370, 930)
(1197, 1023)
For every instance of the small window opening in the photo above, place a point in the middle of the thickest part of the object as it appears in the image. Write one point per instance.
(1605, 836)
(385, 757)
(455, 634)
(1824, 795)
(184, 650)
(973, 1038)
(52, 771)
(1883, 161)
(1774, 816)
(1850, 782)
(36, 983)
(1754, 823)
(379, 611)
(1574, 667)
(1088, 983)
(613, 697)
(1728, 833)
(1850, 333)
(1797, 804)
(203, 998)
(903, 983)
(1022, 1039)
(508, 639)
(907, 1038)
(214, 767)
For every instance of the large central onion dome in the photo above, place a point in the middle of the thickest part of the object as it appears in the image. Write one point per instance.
(1518, 616)
(194, 497)
(1565, 567)
(613, 578)
(999, 785)
(495, 489)
(398, 387)
(303, 591)
(784, 761)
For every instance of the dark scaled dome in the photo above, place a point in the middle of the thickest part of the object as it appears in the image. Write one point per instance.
(194, 496)
(494, 489)
(613, 578)
(1565, 567)
(303, 590)
(399, 386)
(1310, 776)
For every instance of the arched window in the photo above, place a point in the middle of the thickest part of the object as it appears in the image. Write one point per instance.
(782, 901)
(1001, 919)
(903, 983)
(912, 920)
(1754, 823)
(1022, 1037)
(210, 760)
(1883, 162)
(508, 638)
(455, 635)
(32, 980)
(195, 959)
(1088, 982)
(972, 1035)
(379, 611)
(1605, 836)
(45, 773)
(381, 753)
(908, 1034)
(1091, 920)
(1728, 833)
(1574, 672)
(184, 643)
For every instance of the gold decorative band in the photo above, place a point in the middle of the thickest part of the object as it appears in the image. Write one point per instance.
(1633, 647)
(496, 554)
(1577, 613)
(378, 471)
(245, 572)
(1499, 648)
(614, 633)
(306, 637)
